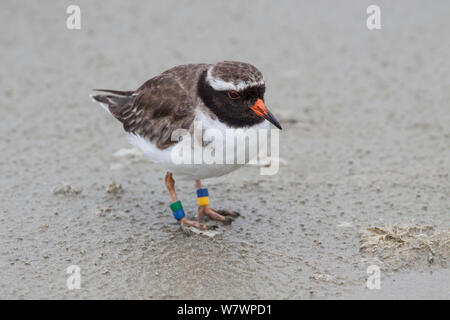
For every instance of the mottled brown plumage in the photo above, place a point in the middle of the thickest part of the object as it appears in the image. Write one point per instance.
(160, 106)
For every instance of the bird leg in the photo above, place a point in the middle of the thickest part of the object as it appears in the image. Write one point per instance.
(204, 209)
(179, 213)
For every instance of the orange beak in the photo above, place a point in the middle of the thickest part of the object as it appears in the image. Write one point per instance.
(259, 108)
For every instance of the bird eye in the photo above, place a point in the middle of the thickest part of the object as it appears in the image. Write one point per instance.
(233, 95)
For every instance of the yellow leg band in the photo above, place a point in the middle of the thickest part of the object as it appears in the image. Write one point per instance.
(203, 201)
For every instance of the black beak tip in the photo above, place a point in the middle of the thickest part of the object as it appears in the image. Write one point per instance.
(277, 124)
(270, 117)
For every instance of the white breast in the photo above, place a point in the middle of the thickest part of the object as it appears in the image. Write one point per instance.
(203, 169)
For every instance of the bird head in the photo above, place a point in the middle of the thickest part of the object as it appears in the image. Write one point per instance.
(234, 91)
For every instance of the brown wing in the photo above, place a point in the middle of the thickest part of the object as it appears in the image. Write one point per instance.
(160, 106)
(158, 110)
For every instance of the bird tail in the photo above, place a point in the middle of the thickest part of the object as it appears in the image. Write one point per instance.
(113, 103)
(117, 92)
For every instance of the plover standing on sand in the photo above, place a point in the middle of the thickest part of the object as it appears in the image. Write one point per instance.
(225, 95)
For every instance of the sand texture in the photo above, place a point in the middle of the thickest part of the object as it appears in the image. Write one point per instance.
(365, 147)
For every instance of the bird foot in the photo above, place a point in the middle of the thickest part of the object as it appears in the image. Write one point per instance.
(225, 213)
(187, 224)
(227, 217)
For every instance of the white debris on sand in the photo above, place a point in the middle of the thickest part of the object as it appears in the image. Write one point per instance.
(321, 277)
(125, 158)
(66, 189)
(114, 188)
(112, 213)
(407, 244)
(207, 233)
(345, 224)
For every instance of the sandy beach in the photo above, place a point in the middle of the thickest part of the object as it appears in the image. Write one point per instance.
(365, 147)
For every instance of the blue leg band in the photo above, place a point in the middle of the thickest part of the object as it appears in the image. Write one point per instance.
(177, 210)
(202, 192)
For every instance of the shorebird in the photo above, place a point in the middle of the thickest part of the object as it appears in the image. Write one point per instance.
(222, 96)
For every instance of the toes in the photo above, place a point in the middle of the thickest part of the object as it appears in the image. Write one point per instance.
(190, 226)
(228, 220)
(226, 213)
(222, 212)
(185, 229)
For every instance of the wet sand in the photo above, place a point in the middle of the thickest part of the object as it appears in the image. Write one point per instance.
(366, 140)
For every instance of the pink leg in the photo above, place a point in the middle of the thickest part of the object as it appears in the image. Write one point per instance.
(184, 222)
(219, 215)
